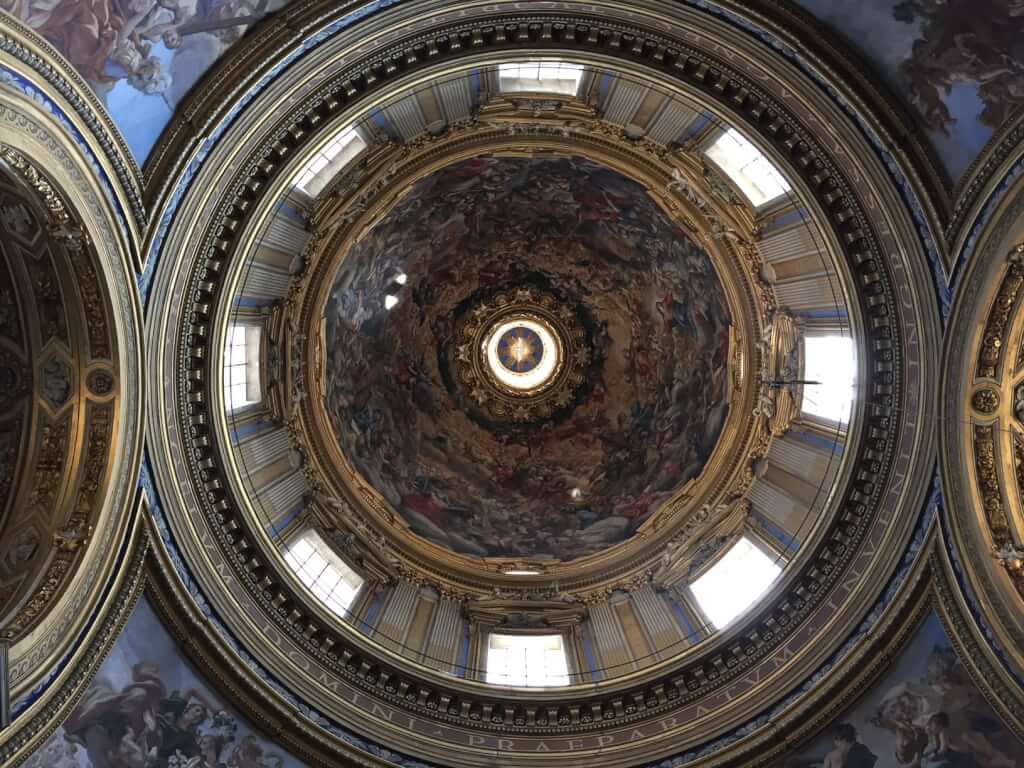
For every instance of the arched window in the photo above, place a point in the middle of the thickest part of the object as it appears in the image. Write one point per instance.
(325, 164)
(748, 168)
(526, 660)
(242, 366)
(540, 76)
(831, 362)
(735, 582)
(324, 573)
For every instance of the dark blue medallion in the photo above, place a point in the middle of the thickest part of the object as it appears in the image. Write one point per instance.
(520, 349)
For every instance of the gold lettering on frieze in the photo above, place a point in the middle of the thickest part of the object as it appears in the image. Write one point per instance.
(636, 734)
(224, 571)
(605, 739)
(575, 744)
(476, 741)
(378, 711)
(302, 662)
(505, 745)
(330, 683)
(272, 634)
(783, 656)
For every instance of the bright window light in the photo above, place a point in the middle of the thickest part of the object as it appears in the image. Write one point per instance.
(242, 366)
(749, 169)
(829, 360)
(735, 582)
(325, 574)
(390, 301)
(526, 660)
(543, 76)
(335, 155)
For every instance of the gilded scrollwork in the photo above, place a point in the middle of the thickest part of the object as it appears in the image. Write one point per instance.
(62, 485)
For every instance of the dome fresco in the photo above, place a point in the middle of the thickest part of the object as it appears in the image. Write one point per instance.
(652, 315)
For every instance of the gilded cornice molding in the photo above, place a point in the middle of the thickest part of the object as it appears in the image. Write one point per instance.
(845, 69)
(851, 555)
(247, 689)
(831, 63)
(927, 584)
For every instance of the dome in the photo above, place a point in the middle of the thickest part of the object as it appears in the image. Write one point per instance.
(577, 373)
(574, 262)
(599, 384)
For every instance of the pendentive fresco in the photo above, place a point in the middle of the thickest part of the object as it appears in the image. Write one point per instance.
(148, 708)
(925, 712)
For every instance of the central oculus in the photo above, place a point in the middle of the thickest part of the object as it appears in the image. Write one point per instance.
(522, 354)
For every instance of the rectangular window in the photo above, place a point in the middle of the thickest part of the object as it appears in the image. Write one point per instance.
(324, 573)
(526, 660)
(540, 76)
(326, 163)
(748, 168)
(735, 582)
(830, 362)
(242, 366)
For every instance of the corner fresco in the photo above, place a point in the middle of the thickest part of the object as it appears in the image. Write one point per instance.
(924, 713)
(647, 416)
(147, 708)
(141, 57)
(959, 62)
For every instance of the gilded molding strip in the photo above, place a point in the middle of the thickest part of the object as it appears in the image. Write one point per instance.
(994, 341)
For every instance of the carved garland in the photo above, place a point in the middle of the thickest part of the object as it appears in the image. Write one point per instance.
(883, 390)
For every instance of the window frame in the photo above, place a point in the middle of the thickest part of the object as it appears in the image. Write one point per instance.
(744, 536)
(333, 560)
(307, 179)
(564, 641)
(252, 366)
(736, 175)
(826, 423)
(506, 85)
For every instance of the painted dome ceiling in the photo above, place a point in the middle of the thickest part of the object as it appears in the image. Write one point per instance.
(644, 320)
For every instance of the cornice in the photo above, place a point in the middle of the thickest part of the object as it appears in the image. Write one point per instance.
(981, 437)
(926, 584)
(846, 70)
(56, 169)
